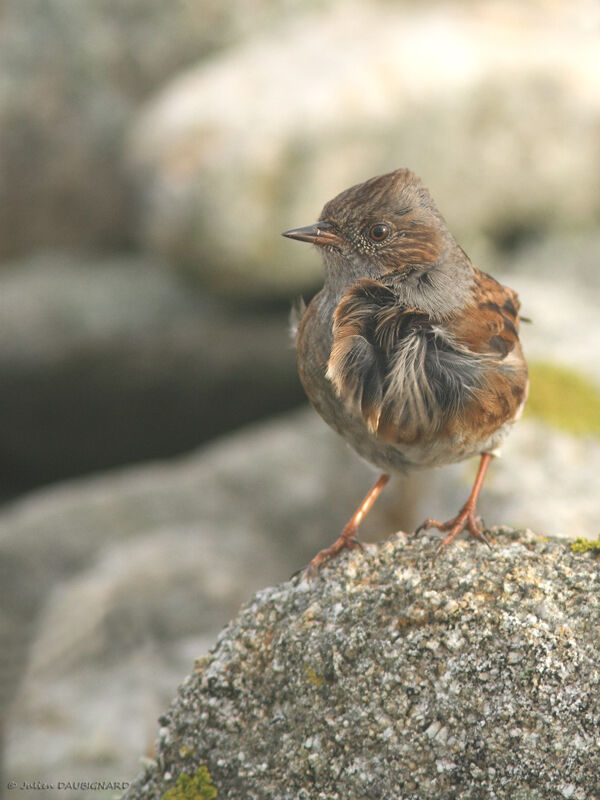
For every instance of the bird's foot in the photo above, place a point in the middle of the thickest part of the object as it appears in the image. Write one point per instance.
(453, 527)
(346, 541)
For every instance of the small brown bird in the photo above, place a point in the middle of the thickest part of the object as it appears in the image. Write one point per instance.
(409, 351)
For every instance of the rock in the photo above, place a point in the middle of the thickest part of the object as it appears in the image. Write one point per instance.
(108, 361)
(72, 76)
(133, 573)
(389, 676)
(276, 488)
(255, 140)
(82, 565)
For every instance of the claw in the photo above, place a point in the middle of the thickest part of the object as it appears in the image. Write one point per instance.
(465, 519)
(346, 541)
(433, 523)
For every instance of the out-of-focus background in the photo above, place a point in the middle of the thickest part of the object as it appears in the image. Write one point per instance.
(151, 153)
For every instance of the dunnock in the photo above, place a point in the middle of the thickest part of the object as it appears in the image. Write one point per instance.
(409, 351)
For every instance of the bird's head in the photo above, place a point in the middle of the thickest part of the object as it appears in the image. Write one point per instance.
(386, 224)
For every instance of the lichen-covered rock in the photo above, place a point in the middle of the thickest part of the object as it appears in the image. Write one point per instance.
(390, 676)
(117, 582)
(111, 585)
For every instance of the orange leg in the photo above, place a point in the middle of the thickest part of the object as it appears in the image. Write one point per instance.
(466, 516)
(347, 538)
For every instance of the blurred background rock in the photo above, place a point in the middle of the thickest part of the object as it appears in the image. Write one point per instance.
(150, 155)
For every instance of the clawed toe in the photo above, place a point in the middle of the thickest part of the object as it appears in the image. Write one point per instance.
(433, 523)
(453, 527)
(346, 541)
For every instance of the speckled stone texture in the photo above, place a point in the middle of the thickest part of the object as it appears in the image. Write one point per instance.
(390, 676)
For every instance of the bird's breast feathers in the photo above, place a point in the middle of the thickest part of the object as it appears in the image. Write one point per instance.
(414, 380)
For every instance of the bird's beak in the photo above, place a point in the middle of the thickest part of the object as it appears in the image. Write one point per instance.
(320, 233)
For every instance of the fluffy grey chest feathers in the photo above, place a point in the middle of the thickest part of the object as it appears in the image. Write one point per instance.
(405, 376)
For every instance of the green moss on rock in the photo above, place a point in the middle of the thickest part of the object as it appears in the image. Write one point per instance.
(583, 545)
(564, 398)
(192, 787)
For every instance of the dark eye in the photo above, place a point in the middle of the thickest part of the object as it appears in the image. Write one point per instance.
(379, 232)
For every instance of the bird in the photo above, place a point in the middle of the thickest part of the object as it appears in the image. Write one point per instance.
(409, 351)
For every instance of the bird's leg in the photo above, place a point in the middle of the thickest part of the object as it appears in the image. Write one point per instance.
(466, 516)
(347, 538)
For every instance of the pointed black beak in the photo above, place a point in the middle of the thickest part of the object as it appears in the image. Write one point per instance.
(320, 233)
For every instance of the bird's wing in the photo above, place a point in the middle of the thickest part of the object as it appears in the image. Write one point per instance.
(490, 324)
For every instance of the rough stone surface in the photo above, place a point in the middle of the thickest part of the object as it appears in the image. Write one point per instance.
(135, 572)
(476, 677)
(503, 133)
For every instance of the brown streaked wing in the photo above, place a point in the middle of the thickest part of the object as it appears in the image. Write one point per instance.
(491, 324)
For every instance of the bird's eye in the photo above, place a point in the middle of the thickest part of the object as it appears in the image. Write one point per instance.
(379, 232)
